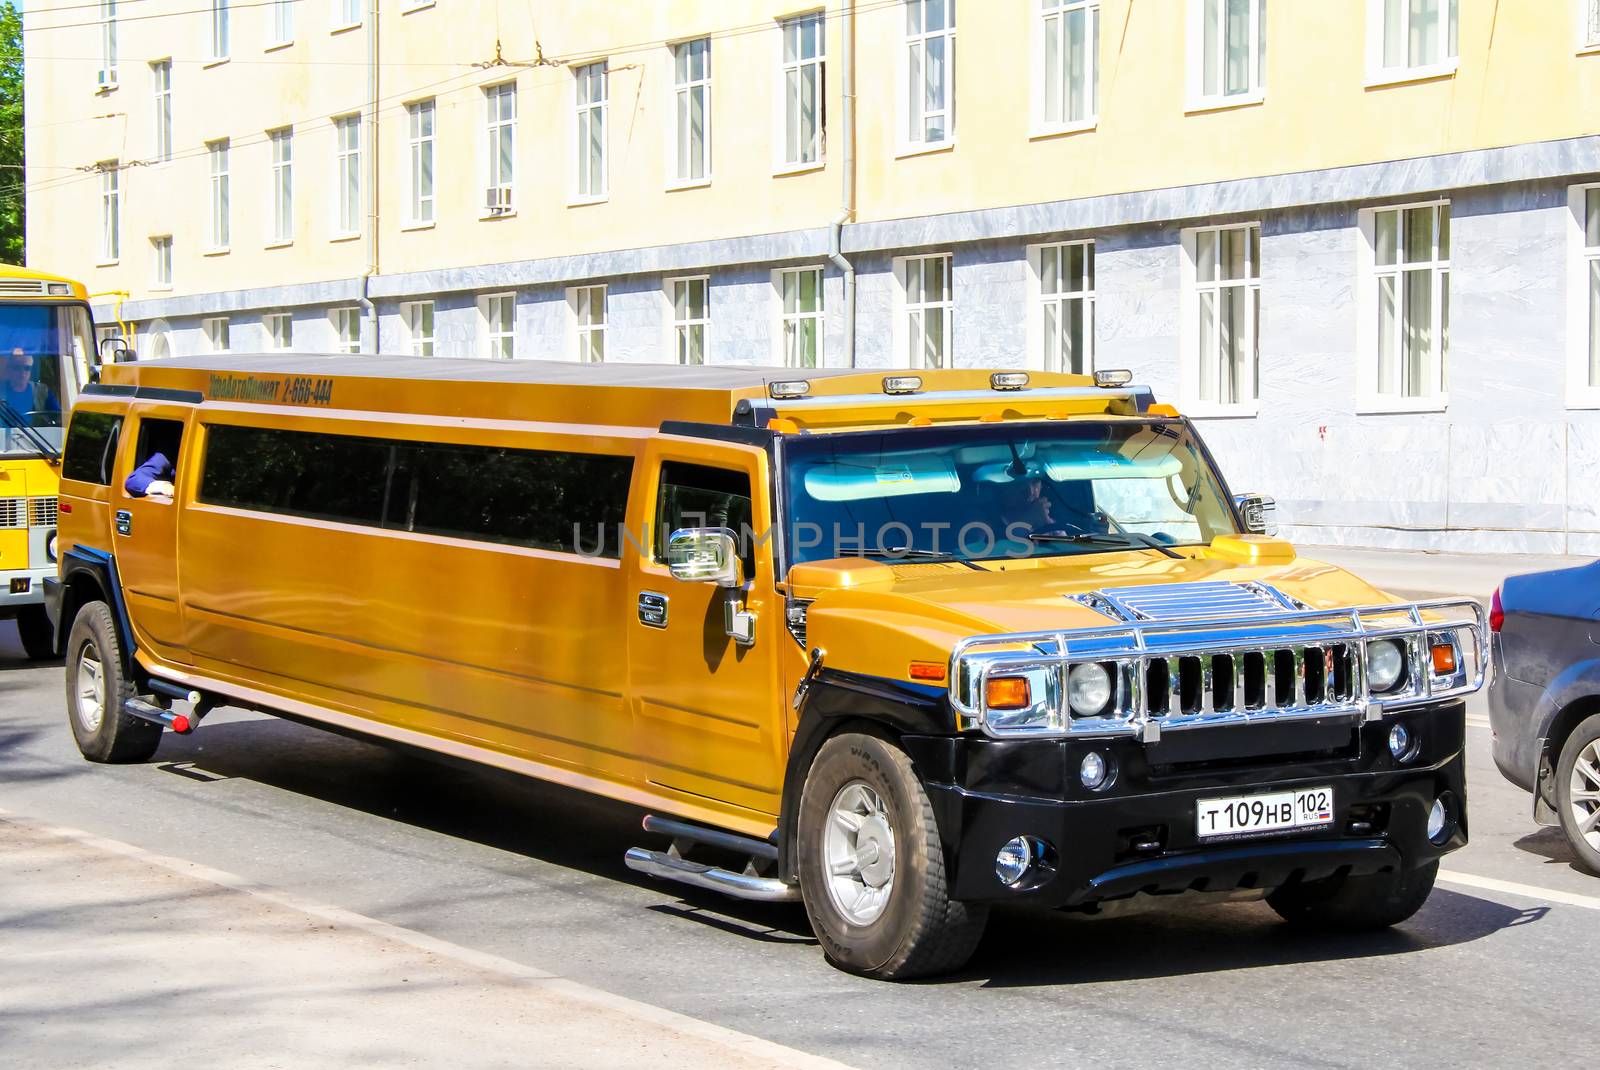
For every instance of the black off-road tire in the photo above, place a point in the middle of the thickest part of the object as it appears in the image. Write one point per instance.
(1586, 733)
(116, 737)
(37, 634)
(1355, 904)
(921, 931)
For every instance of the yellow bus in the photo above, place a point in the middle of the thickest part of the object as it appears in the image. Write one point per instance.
(899, 646)
(47, 351)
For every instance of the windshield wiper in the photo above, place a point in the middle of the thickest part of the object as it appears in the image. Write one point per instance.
(1136, 538)
(907, 552)
(31, 433)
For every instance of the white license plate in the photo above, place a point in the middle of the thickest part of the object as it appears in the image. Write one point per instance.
(1244, 815)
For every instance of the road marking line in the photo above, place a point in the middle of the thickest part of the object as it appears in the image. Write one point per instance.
(773, 1053)
(1490, 884)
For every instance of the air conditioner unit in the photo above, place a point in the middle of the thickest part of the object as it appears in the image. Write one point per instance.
(104, 79)
(497, 198)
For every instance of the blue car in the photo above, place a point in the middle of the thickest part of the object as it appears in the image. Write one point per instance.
(1544, 698)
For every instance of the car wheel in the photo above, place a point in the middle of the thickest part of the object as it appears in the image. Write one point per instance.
(1578, 792)
(36, 633)
(96, 690)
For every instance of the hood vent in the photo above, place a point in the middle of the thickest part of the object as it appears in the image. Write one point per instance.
(1209, 600)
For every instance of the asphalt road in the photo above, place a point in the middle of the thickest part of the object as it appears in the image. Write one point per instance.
(534, 875)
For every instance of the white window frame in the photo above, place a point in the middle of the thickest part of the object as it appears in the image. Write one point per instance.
(347, 179)
(1040, 92)
(216, 331)
(913, 53)
(788, 322)
(681, 94)
(496, 122)
(1380, 73)
(161, 100)
(110, 213)
(220, 232)
(280, 188)
(677, 329)
(108, 43)
(783, 163)
(279, 329)
(588, 331)
(346, 321)
(1256, 77)
(1588, 26)
(422, 127)
(161, 261)
(282, 32)
(414, 317)
(591, 182)
(911, 317)
(1582, 391)
(1369, 399)
(1043, 306)
(221, 30)
(347, 15)
(1247, 401)
(499, 334)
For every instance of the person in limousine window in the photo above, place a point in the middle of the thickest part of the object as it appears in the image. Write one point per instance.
(152, 479)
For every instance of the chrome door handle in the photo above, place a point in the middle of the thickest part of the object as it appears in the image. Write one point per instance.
(124, 522)
(652, 609)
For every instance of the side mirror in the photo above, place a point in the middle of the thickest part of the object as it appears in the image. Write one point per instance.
(1258, 513)
(705, 555)
(115, 350)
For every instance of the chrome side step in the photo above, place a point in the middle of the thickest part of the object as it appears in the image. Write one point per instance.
(671, 865)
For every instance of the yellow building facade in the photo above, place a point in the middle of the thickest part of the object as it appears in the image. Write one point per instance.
(1362, 230)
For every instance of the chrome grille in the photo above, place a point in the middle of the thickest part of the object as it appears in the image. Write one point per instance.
(42, 512)
(1289, 679)
(13, 512)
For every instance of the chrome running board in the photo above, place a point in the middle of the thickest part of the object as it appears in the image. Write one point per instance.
(672, 866)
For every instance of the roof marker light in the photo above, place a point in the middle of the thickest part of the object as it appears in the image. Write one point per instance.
(1113, 377)
(60, 289)
(788, 388)
(1008, 380)
(902, 384)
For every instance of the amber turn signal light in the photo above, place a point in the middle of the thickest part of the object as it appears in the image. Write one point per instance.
(927, 670)
(1008, 693)
(1444, 659)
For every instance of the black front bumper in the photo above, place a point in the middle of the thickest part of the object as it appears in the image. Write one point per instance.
(1140, 835)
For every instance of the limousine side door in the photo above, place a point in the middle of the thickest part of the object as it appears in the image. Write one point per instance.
(144, 528)
(708, 718)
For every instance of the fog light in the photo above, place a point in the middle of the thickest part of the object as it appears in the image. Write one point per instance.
(1094, 771)
(1438, 820)
(1385, 662)
(1014, 860)
(1088, 689)
(1401, 743)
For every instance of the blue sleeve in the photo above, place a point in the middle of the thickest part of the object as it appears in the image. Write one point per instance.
(157, 467)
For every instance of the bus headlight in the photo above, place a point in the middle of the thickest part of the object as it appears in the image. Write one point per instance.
(50, 546)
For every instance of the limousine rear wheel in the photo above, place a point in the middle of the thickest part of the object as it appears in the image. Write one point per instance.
(96, 690)
(1356, 903)
(872, 867)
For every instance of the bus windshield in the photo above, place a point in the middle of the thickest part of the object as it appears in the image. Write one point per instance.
(45, 353)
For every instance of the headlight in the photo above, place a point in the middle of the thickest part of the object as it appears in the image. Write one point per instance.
(1088, 689)
(50, 546)
(1385, 662)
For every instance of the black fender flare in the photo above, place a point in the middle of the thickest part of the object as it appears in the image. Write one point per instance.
(916, 716)
(89, 575)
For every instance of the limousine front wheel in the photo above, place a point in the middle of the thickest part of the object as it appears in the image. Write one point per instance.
(872, 869)
(96, 690)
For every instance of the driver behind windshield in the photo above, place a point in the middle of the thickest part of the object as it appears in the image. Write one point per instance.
(22, 392)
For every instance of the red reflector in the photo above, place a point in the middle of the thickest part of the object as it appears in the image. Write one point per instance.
(1497, 614)
(927, 670)
(64, 507)
(180, 723)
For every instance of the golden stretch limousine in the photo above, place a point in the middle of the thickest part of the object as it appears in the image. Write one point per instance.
(898, 646)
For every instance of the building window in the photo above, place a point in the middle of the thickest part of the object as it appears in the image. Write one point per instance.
(283, 22)
(1588, 24)
(347, 330)
(803, 89)
(161, 76)
(691, 317)
(108, 43)
(927, 310)
(221, 212)
(1227, 51)
(800, 316)
(691, 78)
(1063, 319)
(499, 315)
(280, 330)
(1410, 39)
(219, 29)
(282, 185)
(419, 117)
(417, 316)
(1583, 302)
(501, 140)
(347, 174)
(1408, 326)
(1222, 310)
(590, 87)
(588, 305)
(930, 56)
(216, 334)
(161, 262)
(1069, 64)
(347, 13)
(110, 212)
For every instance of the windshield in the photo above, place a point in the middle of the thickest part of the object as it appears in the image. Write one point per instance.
(975, 493)
(45, 351)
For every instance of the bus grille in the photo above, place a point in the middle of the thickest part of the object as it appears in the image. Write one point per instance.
(29, 287)
(13, 512)
(1285, 680)
(42, 512)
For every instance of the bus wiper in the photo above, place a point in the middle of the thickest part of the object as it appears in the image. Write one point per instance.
(1137, 538)
(11, 416)
(907, 552)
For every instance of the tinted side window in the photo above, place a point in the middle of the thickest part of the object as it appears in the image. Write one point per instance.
(91, 447)
(698, 496)
(328, 477)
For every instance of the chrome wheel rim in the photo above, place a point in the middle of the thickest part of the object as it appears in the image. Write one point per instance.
(858, 851)
(91, 679)
(1584, 794)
